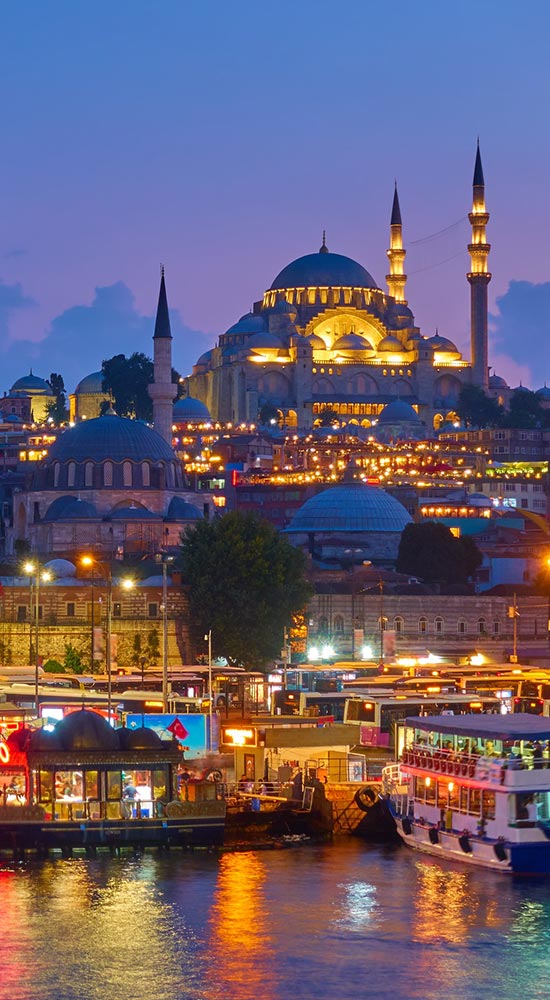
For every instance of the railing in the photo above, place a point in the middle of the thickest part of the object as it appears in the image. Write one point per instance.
(468, 765)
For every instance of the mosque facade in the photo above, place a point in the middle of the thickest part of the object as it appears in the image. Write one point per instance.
(326, 337)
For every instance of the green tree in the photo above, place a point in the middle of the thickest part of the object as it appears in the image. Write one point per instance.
(328, 418)
(431, 552)
(476, 409)
(136, 650)
(152, 649)
(53, 667)
(245, 582)
(127, 379)
(268, 414)
(58, 411)
(73, 659)
(525, 411)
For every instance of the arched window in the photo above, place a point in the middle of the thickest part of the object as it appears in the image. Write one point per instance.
(398, 624)
(127, 473)
(145, 474)
(89, 474)
(338, 624)
(438, 626)
(481, 626)
(422, 625)
(496, 628)
(71, 473)
(461, 627)
(108, 474)
(56, 471)
(322, 626)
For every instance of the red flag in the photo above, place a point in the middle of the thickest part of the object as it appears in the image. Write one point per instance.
(178, 729)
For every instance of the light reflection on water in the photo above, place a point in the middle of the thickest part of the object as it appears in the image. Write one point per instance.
(335, 922)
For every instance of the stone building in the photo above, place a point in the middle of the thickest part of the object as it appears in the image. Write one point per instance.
(85, 402)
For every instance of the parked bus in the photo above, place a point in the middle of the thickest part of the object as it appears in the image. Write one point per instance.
(378, 716)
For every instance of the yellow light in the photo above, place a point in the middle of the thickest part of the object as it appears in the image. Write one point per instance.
(29, 567)
(128, 584)
(451, 785)
(428, 782)
(87, 561)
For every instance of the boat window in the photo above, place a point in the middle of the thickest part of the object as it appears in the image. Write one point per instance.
(475, 802)
(114, 785)
(430, 793)
(464, 798)
(454, 793)
(91, 785)
(45, 786)
(488, 800)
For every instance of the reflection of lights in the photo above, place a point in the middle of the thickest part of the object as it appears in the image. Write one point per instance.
(366, 652)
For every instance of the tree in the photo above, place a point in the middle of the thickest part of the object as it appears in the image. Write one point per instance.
(152, 650)
(127, 380)
(58, 411)
(245, 582)
(73, 659)
(476, 409)
(431, 552)
(53, 667)
(136, 650)
(268, 414)
(525, 411)
(328, 418)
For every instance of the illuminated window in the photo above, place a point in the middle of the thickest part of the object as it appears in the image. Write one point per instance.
(398, 624)
(438, 626)
(422, 625)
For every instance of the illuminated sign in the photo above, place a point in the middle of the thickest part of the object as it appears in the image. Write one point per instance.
(4, 752)
(239, 737)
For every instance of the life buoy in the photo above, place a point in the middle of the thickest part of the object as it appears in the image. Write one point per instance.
(433, 835)
(406, 826)
(500, 851)
(465, 844)
(366, 797)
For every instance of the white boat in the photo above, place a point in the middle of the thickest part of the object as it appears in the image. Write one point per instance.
(475, 789)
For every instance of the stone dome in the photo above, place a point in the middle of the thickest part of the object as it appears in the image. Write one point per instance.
(141, 738)
(61, 568)
(109, 438)
(323, 270)
(350, 507)
(204, 358)
(316, 342)
(390, 345)
(91, 383)
(284, 308)
(189, 408)
(68, 508)
(32, 384)
(86, 730)
(398, 411)
(497, 382)
(352, 342)
(133, 512)
(181, 510)
(442, 344)
(264, 341)
(249, 323)
(544, 392)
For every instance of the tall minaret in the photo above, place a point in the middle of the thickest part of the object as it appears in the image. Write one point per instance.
(479, 278)
(162, 390)
(396, 278)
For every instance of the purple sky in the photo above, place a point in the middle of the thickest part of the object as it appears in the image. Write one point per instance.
(221, 138)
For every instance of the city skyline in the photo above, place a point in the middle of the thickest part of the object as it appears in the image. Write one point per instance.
(222, 143)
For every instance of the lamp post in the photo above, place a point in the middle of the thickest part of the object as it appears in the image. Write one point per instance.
(162, 557)
(89, 561)
(36, 571)
(208, 638)
(126, 584)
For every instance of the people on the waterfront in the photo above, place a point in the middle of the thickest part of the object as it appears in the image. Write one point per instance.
(129, 795)
(537, 757)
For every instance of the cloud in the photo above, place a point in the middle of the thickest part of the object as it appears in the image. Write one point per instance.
(520, 333)
(82, 336)
(11, 299)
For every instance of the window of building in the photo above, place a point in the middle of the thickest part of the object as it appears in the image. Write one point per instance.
(438, 626)
(152, 610)
(71, 474)
(496, 628)
(145, 474)
(56, 470)
(108, 474)
(338, 624)
(117, 610)
(422, 625)
(481, 626)
(127, 473)
(398, 624)
(89, 474)
(22, 612)
(322, 627)
(461, 628)
(70, 609)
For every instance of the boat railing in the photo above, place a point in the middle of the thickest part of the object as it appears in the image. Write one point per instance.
(113, 809)
(445, 761)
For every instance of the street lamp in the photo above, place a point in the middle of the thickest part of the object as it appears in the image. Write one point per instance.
(33, 569)
(162, 557)
(208, 638)
(126, 584)
(89, 562)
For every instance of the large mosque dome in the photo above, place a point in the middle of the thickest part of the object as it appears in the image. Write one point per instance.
(110, 438)
(32, 384)
(323, 269)
(91, 383)
(350, 507)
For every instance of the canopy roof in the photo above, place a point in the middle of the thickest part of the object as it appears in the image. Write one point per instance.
(496, 727)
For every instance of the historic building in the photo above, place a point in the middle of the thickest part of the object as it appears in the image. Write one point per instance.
(85, 402)
(28, 399)
(326, 337)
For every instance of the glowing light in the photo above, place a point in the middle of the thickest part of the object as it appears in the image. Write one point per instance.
(366, 652)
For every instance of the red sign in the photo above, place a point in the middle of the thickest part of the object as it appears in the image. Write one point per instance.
(178, 729)
(4, 751)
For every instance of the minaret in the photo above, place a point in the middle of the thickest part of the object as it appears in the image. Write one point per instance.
(396, 278)
(162, 390)
(479, 278)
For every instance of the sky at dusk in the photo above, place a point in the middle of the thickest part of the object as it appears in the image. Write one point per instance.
(221, 137)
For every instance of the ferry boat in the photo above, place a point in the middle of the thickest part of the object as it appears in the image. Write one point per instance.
(475, 789)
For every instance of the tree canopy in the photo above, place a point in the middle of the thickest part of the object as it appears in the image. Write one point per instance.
(431, 552)
(127, 379)
(58, 411)
(476, 409)
(245, 582)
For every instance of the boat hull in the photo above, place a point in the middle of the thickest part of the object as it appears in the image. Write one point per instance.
(479, 852)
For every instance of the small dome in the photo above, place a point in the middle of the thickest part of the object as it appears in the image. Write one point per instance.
(317, 342)
(230, 349)
(264, 341)
(352, 342)
(181, 510)
(12, 418)
(398, 411)
(497, 382)
(32, 384)
(61, 568)
(442, 344)
(322, 270)
(91, 383)
(285, 308)
(249, 323)
(133, 512)
(44, 740)
(543, 393)
(189, 408)
(390, 345)
(204, 359)
(350, 507)
(67, 508)
(110, 438)
(142, 738)
(86, 730)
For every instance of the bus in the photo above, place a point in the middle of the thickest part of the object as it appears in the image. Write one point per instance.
(313, 704)
(378, 716)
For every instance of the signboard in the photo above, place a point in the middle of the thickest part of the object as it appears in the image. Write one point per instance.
(167, 726)
(4, 751)
(239, 736)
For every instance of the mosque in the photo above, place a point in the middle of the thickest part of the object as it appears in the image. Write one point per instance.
(326, 337)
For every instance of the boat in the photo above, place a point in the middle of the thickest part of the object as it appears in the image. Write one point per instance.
(86, 786)
(475, 789)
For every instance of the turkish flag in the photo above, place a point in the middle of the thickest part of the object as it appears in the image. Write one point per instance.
(178, 729)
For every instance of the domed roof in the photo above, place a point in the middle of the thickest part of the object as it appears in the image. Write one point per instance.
(497, 382)
(285, 308)
(352, 342)
(142, 738)
(398, 411)
(442, 344)
(32, 384)
(264, 341)
(44, 740)
(249, 323)
(181, 510)
(544, 392)
(70, 508)
(189, 408)
(350, 507)
(316, 342)
(389, 345)
(61, 568)
(91, 383)
(110, 438)
(204, 358)
(133, 512)
(86, 730)
(479, 500)
(323, 270)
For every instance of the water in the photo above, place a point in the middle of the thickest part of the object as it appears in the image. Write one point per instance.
(332, 922)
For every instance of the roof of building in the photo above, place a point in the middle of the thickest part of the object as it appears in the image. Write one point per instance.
(249, 323)
(352, 342)
(520, 726)
(86, 730)
(32, 384)
(162, 322)
(182, 510)
(110, 438)
(189, 408)
(390, 344)
(91, 383)
(350, 507)
(398, 411)
(69, 508)
(323, 269)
